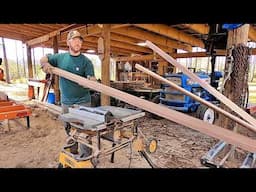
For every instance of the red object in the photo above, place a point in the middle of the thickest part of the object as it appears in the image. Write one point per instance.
(251, 109)
(1, 74)
(31, 93)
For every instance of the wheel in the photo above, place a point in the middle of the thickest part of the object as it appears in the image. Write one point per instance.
(206, 114)
(151, 145)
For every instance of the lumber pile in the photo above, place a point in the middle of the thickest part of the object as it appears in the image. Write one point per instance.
(127, 85)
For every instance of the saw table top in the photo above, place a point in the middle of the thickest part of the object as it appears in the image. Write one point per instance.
(90, 118)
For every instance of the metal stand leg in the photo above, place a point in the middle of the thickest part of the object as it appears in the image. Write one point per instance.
(113, 154)
(249, 161)
(28, 122)
(144, 154)
(207, 159)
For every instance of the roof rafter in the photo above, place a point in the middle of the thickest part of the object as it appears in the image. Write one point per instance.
(143, 35)
(172, 33)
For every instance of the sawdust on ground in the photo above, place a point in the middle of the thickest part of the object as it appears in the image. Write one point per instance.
(39, 146)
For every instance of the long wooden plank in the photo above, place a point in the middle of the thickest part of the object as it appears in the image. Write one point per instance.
(209, 104)
(205, 85)
(230, 137)
(11, 108)
(15, 114)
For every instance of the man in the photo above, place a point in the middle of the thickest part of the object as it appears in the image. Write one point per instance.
(77, 63)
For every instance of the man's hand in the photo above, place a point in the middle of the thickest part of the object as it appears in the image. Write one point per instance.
(46, 67)
(92, 78)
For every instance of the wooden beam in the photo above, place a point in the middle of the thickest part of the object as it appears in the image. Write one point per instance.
(89, 44)
(56, 77)
(197, 98)
(44, 38)
(85, 31)
(252, 33)
(116, 26)
(122, 45)
(205, 85)
(211, 130)
(158, 39)
(172, 33)
(134, 41)
(175, 55)
(199, 28)
(151, 57)
(105, 74)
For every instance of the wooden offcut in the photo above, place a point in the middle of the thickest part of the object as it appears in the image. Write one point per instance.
(178, 117)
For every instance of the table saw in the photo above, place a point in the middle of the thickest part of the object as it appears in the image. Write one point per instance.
(117, 125)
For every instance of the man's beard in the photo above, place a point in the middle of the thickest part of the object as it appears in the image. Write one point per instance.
(74, 50)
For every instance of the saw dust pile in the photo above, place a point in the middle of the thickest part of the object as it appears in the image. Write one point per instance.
(40, 145)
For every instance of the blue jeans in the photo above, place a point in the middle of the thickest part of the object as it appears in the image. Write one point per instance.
(83, 149)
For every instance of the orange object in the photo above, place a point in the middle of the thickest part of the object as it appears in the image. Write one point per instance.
(6, 103)
(31, 93)
(14, 111)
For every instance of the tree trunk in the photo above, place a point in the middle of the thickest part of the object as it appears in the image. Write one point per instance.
(236, 68)
(24, 62)
(17, 59)
(7, 75)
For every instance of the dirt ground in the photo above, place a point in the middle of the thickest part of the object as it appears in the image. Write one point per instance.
(40, 145)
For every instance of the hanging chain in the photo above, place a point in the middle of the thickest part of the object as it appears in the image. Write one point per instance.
(230, 63)
(239, 76)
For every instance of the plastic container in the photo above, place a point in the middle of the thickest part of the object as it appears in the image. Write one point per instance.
(51, 97)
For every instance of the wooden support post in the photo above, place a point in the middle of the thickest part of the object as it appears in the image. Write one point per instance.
(161, 67)
(7, 75)
(105, 73)
(31, 91)
(30, 67)
(34, 63)
(230, 137)
(232, 87)
(56, 77)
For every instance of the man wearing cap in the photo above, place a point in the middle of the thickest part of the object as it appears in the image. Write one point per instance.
(74, 62)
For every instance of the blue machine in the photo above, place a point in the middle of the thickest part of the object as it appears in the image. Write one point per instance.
(177, 100)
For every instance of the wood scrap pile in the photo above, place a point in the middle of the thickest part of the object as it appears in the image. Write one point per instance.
(127, 85)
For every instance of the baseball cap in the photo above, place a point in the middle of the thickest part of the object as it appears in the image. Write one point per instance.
(73, 34)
